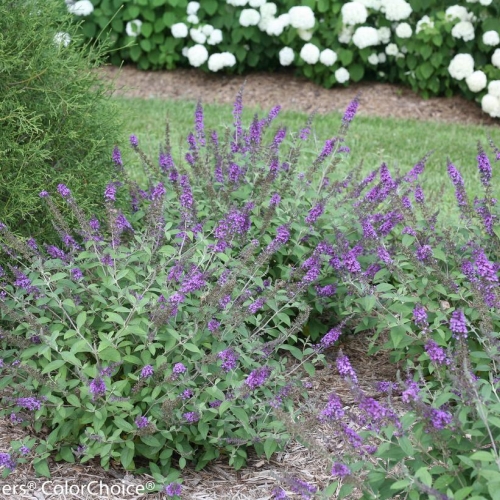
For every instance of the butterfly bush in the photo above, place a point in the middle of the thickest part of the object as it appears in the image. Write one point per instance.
(189, 324)
(160, 332)
(436, 48)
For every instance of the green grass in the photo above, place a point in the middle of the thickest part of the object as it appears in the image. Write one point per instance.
(399, 143)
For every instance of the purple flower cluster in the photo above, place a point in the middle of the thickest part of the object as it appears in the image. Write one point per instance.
(117, 157)
(110, 192)
(147, 371)
(7, 461)
(423, 253)
(411, 392)
(179, 368)
(420, 316)
(213, 325)
(326, 290)
(141, 422)
(436, 354)
(350, 111)
(31, 403)
(458, 324)
(333, 410)
(256, 305)
(134, 142)
(193, 282)
(97, 388)
(76, 274)
(229, 359)
(191, 417)
(439, 419)
(330, 337)
(340, 470)
(258, 377)
(173, 489)
(315, 213)
(484, 166)
(302, 488)
(345, 368)
(63, 190)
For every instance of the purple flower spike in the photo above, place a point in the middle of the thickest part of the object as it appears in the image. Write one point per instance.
(97, 388)
(345, 368)
(191, 417)
(350, 111)
(340, 470)
(436, 354)
(229, 359)
(7, 461)
(173, 489)
(147, 371)
(117, 157)
(179, 368)
(43, 194)
(63, 190)
(134, 142)
(110, 192)
(484, 166)
(420, 316)
(458, 324)
(258, 377)
(141, 422)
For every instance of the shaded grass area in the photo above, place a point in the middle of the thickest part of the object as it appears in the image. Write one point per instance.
(399, 143)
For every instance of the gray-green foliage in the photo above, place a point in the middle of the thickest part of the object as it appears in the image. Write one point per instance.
(57, 123)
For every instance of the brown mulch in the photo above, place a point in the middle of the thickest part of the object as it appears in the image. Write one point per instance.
(293, 93)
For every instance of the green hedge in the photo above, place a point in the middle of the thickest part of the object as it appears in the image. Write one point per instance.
(156, 34)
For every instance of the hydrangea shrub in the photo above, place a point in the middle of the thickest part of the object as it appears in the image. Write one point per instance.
(436, 48)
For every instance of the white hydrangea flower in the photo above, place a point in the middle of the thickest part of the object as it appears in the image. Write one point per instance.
(345, 35)
(477, 81)
(328, 57)
(207, 29)
(249, 17)
(256, 3)
(302, 17)
(179, 30)
(371, 4)
(491, 105)
(268, 10)
(404, 49)
(310, 53)
(197, 35)
(81, 8)
(365, 36)
(373, 58)
(384, 34)
(396, 10)
(463, 30)
(382, 57)
(284, 19)
(184, 51)
(491, 38)
(485, 2)
(461, 66)
(192, 8)
(287, 56)
(403, 30)
(425, 22)
(237, 3)
(133, 28)
(457, 12)
(62, 38)
(215, 37)
(400, 55)
(353, 13)
(494, 88)
(495, 58)
(222, 60)
(274, 27)
(391, 49)
(472, 1)
(304, 35)
(193, 19)
(342, 75)
(197, 55)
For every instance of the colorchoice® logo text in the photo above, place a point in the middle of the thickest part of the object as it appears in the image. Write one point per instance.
(92, 488)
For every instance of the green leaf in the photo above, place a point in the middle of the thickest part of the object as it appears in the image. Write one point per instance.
(54, 365)
(209, 6)
(424, 476)
(146, 30)
(309, 368)
(192, 348)
(356, 72)
(127, 456)
(122, 424)
(67, 454)
(399, 485)
(115, 318)
(73, 400)
(483, 456)
(80, 319)
(110, 354)
(426, 70)
(71, 358)
(270, 447)
(41, 467)
(345, 56)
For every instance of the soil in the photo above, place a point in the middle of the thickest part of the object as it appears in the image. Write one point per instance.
(293, 93)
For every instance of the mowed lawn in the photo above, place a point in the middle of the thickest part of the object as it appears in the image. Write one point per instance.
(373, 140)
